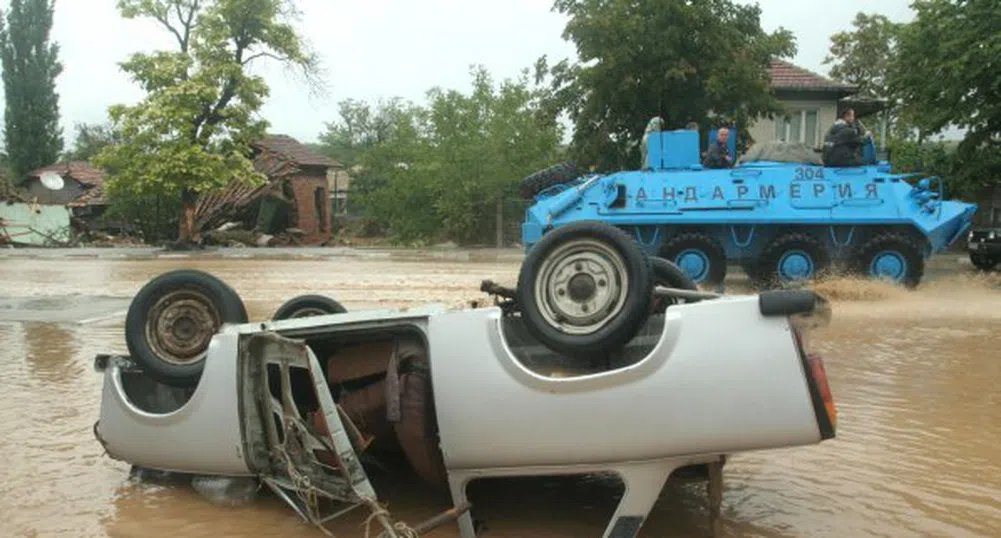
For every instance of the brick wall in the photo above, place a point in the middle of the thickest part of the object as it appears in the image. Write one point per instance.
(316, 226)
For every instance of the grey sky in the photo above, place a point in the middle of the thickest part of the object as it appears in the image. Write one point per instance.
(374, 49)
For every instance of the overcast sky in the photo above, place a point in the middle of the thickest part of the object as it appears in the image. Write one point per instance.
(374, 49)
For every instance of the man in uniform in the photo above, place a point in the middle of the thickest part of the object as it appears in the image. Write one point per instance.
(843, 142)
(718, 155)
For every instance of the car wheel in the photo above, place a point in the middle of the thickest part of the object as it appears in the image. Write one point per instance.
(669, 275)
(307, 306)
(172, 319)
(983, 262)
(891, 257)
(585, 289)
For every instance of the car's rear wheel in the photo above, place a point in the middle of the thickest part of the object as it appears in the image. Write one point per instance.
(585, 289)
(172, 319)
(308, 306)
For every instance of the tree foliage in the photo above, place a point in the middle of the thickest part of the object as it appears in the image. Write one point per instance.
(193, 131)
(864, 55)
(360, 128)
(30, 67)
(948, 74)
(90, 140)
(678, 59)
(441, 171)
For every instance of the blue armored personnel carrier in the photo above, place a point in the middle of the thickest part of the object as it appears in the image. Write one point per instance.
(779, 214)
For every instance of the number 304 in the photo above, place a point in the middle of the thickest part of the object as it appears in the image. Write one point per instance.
(809, 173)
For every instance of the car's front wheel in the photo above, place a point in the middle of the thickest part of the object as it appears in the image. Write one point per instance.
(172, 319)
(984, 263)
(585, 289)
(307, 306)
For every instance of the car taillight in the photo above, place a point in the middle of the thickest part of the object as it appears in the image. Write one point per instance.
(820, 389)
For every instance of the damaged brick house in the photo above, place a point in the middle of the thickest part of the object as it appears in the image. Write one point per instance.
(295, 199)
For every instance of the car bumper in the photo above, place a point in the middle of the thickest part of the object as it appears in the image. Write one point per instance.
(984, 248)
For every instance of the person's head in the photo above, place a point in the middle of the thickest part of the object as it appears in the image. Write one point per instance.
(723, 135)
(848, 115)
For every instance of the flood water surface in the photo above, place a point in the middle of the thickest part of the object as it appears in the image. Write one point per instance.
(915, 376)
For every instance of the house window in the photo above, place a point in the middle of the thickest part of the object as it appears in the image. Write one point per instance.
(798, 126)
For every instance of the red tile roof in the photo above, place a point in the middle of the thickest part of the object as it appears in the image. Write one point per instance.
(295, 151)
(82, 171)
(786, 76)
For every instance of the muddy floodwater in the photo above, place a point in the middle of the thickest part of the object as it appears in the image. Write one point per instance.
(916, 376)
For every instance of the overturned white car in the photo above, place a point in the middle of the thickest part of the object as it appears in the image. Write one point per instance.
(600, 361)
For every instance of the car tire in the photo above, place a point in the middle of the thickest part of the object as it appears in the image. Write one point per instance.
(585, 289)
(172, 319)
(306, 306)
(669, 275)
(983, 263)
(547, 177)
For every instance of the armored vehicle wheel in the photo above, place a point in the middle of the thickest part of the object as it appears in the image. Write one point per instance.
(983, 263)
(308, 305)
(670, 275)
(891, 257)
(791, 258)
(545, 178)
(700, 256)
(585, 289)
(172, 319)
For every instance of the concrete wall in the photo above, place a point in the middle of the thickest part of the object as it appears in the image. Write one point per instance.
(70, 191)
(827, 111)
(316, 226)
(31, 223)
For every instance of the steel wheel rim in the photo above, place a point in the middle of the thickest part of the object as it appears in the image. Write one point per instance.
(795, 265)
(888, 264)
(180, 326)
(694, 262)
(581, 286)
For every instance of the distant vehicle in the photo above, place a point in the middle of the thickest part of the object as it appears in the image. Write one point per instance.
(473, 392)
(779, 213)
(984, 246)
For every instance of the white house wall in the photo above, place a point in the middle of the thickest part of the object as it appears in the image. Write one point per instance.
(764, 129)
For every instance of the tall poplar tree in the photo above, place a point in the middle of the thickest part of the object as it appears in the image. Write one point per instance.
(30, 67)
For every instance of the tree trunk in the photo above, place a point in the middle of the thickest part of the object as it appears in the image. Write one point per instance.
(500, 222)
(187, 235)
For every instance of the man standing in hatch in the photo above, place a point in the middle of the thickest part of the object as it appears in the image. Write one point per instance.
(718, 155)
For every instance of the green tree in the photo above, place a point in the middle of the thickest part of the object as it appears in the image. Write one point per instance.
(947, 75)
(446, 170)
(360, 128)
(676, 59)
(193, 131)
(30, 67)
(864, 57)
(90, 140)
